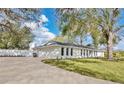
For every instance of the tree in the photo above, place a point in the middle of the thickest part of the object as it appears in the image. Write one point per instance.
(107, 21)
(101, 24)
(67, 21)
(19, 38)
(73, 23)
(12, 35)
(10, 16)
(104, 28)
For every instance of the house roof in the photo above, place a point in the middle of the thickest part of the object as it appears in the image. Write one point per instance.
(64, 44)
(56, 43)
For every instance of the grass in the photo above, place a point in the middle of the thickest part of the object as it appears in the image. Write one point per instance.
(99, 68)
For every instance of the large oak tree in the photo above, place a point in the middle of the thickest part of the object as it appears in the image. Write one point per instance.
(12, 34)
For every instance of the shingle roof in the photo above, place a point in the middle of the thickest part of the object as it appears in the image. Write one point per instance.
(56, 43)
(65, 44)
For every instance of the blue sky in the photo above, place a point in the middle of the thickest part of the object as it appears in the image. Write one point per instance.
(51, 24)
(53, 28)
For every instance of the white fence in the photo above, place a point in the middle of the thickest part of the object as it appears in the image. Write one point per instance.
(19, 53)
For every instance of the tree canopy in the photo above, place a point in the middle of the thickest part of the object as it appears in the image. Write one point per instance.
(101, 24)
(13, 33)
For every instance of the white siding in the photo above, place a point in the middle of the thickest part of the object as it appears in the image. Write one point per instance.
(54, 52)
(100, 54)
(77, 53)
(49, 52)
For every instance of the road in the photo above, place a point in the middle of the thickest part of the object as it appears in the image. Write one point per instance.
(28, 70)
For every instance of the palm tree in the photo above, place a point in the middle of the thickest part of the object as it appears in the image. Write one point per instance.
(107, 21)
(73, 23)
(67, 22)
(101, 24)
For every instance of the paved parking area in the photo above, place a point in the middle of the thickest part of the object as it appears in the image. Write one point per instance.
(28, 70)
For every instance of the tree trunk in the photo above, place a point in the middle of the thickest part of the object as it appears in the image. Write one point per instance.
(81, 42)
(110, 46)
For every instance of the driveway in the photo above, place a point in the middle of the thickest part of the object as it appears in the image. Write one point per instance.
(28, 70)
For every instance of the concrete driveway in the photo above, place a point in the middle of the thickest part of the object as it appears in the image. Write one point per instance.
(27, 70)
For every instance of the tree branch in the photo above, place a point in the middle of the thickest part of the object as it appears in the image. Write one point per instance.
(118, 29)
(4, 25)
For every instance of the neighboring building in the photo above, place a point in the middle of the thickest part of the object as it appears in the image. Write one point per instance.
(55, 49)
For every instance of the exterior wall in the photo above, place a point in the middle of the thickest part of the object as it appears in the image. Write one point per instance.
(85, 53)
(54, 52)
(76, 52)
(49, 52)
(100, 54)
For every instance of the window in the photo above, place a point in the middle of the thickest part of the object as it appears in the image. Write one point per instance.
(87, 53)
(62, 51)
(71, 51)
(94, 53)
(84, 52)
(67, 51)
(90, 53)
(81, 52)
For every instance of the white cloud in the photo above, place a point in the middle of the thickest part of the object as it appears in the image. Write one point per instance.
(44, 29)
(41, 33)
(32, 25)
(42, 36)
(120, 45)
(43, 18)
(116, 48)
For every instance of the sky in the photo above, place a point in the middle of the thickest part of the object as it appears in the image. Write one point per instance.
(48, 29)
(51, 24)
(45, 29)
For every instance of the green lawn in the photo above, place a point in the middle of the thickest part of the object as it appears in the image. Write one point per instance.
(99, 68)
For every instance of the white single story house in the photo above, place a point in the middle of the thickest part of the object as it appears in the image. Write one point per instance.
(55, 49)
